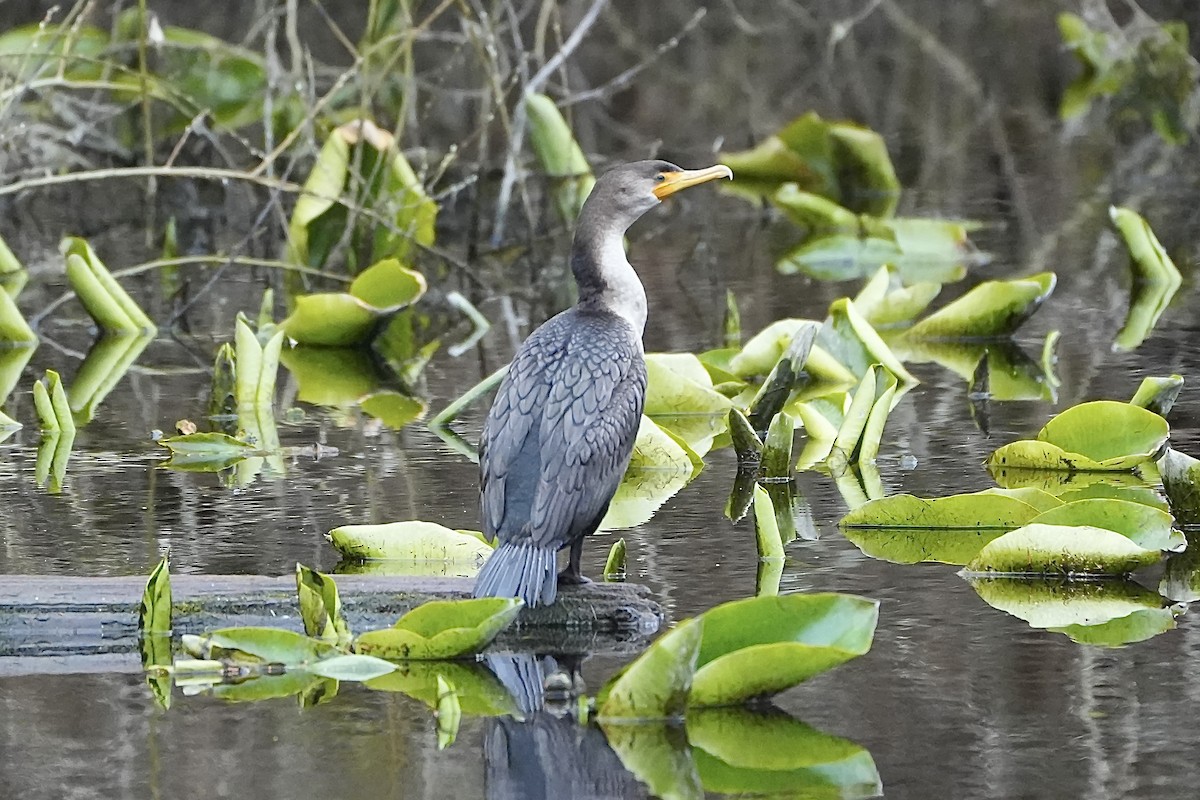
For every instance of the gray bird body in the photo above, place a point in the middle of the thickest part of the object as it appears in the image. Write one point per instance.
(555, 445)
(563, 425)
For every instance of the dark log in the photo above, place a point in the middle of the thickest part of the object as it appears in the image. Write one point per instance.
(56, 623)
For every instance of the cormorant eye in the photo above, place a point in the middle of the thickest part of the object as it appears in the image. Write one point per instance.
(659, 178)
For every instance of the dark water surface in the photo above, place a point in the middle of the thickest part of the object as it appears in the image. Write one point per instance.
(955, 699)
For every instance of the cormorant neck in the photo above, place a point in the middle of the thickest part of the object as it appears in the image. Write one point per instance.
(604, 275)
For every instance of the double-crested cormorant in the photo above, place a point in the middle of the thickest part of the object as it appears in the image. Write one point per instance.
(561, 430)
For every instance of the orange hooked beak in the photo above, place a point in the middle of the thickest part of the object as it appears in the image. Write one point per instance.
(674, 181)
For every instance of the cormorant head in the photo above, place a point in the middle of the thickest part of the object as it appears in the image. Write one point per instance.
(626, 192)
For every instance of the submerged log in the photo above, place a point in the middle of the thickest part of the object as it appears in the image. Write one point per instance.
(58, 621)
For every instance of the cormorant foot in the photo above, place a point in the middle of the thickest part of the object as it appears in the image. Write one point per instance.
(569, 578)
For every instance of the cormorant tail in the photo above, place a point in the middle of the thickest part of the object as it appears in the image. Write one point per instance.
(520, 570)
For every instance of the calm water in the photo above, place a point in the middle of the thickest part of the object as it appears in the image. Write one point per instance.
(956, 698)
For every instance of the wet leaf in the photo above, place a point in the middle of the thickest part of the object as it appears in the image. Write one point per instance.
(1039, 499)
(643, 490)
(386, 185)
(763, 645)
(884, 300)
(449, 713)
(787, 376)
(103, 298)
(559, 154)
(1158, 394)
(154, 613)
(212, 447)
(257, 369)
(981, 510)
(1039, 549)
(614, 566)
(749, 753)
(330, 320)
(294, 683)
(388, 286)
(441, 629)
(1181, 481)
(266, 645)
(851, 340)
(54, 410)
(907, 545)
(766, 530)
(680, 385)
(991, 309)
(1145, 526)
(352, 667)
(320, 607)
(777, 450)
(411, 540)
(1102, 435)
(745, 440)
(838, 160)
(13, 327)
(656, 684)
(887, 391)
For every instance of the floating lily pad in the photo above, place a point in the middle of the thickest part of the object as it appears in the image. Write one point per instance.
(1039, 549)
(441, 629)
(981, 510)
(657, 754)
(346, 318)
(1158, 394)
(1145, 526)
(763, 645)
(205, 452)
(1099, 436)
(410, 540)
(656, 684)
(1181, 481)
(849, 338)
(1038, 498)
(905, 545)
(991, 309)
(885, 301)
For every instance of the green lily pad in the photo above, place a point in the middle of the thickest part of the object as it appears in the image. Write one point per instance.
(642, 492)
(321, 607)
(207, 447)
(1099, 436)
(1150, 260)
(849, 338)
(981, 510)
(656, 684)
(388, 286)
(747, 753)
(991, 309)
(657, 754)
(1181, 481)
(386, 185)
(1041, 500)
(655, 448)
(680, 386)
(906, 545)
(103, 298)
(154, 613)
(331, 320)
(884, 300)
(1158, 394)
(1039, 549)
(1146, 526)
(410, 540)
(441, 629)
(479, 692)
(763, 645)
